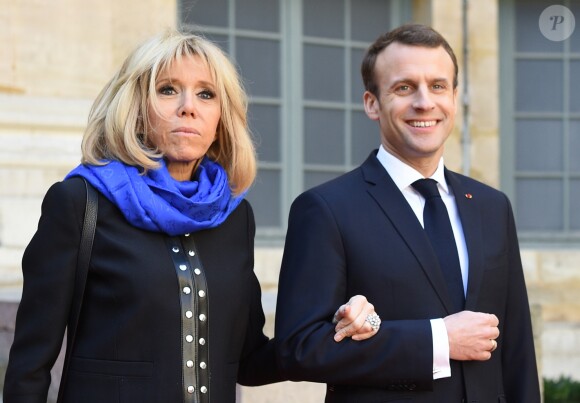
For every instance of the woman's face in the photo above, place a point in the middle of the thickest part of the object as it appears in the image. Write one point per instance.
(184, 124)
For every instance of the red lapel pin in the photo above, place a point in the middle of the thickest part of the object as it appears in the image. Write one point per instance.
(468, 196)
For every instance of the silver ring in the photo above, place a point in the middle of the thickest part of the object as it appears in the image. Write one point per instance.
(374, 320)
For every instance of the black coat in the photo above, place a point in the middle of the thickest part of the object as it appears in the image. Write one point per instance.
(128, 345)
(358, 235)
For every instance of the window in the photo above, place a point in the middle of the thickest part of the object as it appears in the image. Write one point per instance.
(540, 123)
(300, 61)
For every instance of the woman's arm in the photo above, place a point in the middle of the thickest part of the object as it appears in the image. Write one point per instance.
(48, 268)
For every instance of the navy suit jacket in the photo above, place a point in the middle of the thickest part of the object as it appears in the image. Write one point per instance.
(358, 235)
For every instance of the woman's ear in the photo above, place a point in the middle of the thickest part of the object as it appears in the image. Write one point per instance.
(372, 106)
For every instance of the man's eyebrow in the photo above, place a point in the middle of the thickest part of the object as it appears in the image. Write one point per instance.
(440, 80)
(402, 81)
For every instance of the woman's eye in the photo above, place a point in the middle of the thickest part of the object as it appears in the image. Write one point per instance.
(167, 90)
(206, 94)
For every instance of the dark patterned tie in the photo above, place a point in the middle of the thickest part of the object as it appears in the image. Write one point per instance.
(438, 228)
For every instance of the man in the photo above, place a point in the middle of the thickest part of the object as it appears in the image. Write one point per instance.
(455, 321)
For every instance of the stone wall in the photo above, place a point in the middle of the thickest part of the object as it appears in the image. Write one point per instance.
(55, 58)
(41, 141)
(553, 279)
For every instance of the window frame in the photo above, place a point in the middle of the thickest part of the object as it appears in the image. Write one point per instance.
(509, 174)
(292, 165)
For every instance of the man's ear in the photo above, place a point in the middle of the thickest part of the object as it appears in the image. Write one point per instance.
(371, 104)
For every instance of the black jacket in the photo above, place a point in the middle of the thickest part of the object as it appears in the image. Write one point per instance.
(129, 339)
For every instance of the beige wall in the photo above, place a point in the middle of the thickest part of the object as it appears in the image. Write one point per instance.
(69, 48)
(54, 59)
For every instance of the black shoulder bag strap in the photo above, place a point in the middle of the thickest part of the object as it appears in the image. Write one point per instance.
(84, 257)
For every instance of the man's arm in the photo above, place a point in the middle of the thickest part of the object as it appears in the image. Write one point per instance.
(519, 368)
(313, 282)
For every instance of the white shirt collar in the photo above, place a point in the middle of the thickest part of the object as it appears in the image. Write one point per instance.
(404, 175)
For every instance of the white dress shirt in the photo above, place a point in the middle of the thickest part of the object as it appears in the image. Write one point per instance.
(404, 175)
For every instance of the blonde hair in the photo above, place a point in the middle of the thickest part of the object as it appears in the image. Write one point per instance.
(117, 125)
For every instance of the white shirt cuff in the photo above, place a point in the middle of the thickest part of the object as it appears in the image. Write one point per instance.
(441, 365)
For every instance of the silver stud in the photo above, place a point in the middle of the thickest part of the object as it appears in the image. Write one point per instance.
(201, 293)
(191, 253)
(189, 364)
(189, 338)
(186, 290)
(202, 341)
(202, 317)
(182, 267)
(202, 365)
(175, 249)
(203, 389)
(197, 271)
(187, 234)
(188, 314)
(190, 389)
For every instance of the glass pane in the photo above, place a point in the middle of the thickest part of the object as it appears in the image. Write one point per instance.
(259, 61)
(221, 40)
(539, 204)
(323, 136)
(529, 38)
(357, 87)
(324, 73)
(370, 18)
(365, 137)
(265, 198)
(312, 179)
(204, 12)
(574, 148)
(265, 126)
(575, 38)
(323, 18)
(539, 85)
(575, 82)
(259, 15)
(539, 145)
(574, 210)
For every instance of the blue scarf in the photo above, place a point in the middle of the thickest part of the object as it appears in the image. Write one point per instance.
(157, 202)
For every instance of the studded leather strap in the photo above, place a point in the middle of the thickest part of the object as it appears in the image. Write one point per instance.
(194, 318)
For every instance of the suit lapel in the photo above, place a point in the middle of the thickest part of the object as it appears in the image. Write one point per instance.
(468, 207)
(395, 206)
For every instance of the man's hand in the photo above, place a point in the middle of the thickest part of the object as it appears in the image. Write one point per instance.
(472, 335)
(351, 320)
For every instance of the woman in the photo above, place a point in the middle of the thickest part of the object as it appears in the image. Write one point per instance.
(167, 148)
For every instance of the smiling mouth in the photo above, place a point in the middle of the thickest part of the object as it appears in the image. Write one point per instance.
(422, 123)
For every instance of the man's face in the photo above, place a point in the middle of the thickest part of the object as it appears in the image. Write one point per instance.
(416, 103)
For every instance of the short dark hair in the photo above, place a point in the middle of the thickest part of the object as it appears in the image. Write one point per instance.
(408, 34)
